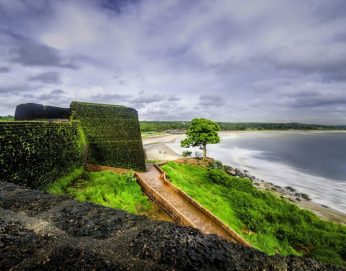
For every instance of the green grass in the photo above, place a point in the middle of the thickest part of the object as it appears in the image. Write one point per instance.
(268, 222)
(104, 188)
(153, 161)
(60, 185)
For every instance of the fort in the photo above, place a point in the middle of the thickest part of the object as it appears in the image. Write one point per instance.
(47, 142)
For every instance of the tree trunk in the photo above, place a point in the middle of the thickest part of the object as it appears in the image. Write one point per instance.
(204, 151)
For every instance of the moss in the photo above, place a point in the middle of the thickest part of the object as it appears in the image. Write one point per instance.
(59, 186)
(37, 153)
(112, 133)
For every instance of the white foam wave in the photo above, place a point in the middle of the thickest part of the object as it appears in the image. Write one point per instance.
(321, 190)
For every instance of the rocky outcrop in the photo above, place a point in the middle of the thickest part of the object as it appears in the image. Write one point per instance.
(40, 231)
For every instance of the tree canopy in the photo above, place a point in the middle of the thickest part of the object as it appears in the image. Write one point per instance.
(200, 133)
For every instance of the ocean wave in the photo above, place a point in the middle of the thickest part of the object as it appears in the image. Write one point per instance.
(321, 190)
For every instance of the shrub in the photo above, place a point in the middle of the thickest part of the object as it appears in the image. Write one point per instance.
(216, 165)
(218, 176)
(326, 255)
(187, 154)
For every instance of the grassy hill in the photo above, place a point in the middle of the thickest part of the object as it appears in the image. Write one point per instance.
(268, 222)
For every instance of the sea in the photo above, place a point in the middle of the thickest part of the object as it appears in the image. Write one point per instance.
(312, 162)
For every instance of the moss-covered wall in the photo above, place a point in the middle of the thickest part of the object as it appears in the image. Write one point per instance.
(38, 153)
(112, 133)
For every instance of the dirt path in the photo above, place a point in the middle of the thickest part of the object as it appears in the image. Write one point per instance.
(177, 206)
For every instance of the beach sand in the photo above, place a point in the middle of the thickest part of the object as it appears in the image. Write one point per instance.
(161, 152)
(156, 149)
(323, 211)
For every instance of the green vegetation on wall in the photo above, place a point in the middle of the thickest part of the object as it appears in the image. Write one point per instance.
(268, 222)
(112, 133)
(37, 153)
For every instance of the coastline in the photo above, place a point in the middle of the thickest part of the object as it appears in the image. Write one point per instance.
(157, 150)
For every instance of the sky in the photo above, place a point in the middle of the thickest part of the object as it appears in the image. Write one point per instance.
(227, 60)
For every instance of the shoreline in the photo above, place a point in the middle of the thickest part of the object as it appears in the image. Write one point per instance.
(226, 133)
(157, 149)
(302, 200)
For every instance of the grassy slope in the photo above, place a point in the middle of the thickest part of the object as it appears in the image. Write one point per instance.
(269, 223)
(104, 188)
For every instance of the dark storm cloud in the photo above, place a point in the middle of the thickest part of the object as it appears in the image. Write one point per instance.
(320, 101)
(307, 58)
(46, 77)
(28, 52)
(340, 37)
(20, 13)
(57, 91)
(315, 99)
(117, 6)
(146, 99)
(55, 97)
(55, 94)
(4, 70)
(13, 89)
(211, 100)
(330, 10)
(173, 98)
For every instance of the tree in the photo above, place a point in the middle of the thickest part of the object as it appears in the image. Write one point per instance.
(200, 133)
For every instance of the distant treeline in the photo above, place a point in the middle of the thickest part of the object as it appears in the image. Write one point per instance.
(153, 126)
(147, 126)
(6, 118)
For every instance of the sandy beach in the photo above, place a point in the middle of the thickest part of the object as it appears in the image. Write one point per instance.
(156, 149)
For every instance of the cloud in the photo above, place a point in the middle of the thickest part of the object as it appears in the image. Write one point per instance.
(211, 100)
(173, 98)
(28, 52)
(46, 77)
(112, 97)
(55, 97)
(175, 59)
(315, 99)
(4, 69)
(146, 99)
(13, 89)
(32, 54)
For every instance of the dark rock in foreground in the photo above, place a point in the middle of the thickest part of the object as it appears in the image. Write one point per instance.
(44, 232)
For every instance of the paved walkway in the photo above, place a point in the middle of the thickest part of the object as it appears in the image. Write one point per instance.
(191, 214)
